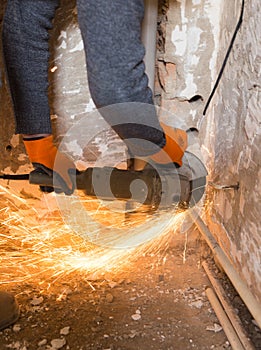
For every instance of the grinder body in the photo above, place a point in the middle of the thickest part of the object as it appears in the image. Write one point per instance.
(155, 186)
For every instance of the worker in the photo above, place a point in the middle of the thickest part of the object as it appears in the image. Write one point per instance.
(111, 32)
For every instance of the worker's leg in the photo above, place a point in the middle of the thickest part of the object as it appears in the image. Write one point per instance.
(111, 33)
(26, 53)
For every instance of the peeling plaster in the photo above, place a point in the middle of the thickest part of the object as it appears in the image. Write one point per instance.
(74, 148)
(252, 251)
(246, 159)
(179, 39)
(213, 9)
(253, 117)
(63, 45)
(22, 157)
(103, 148)
(200, 32)
(191, 87)
(194, 36)
(223, 206)
(187, 41)
(236, 144)
(72, 97)
(63, 35)
(15, 140)
(196, 2)
(78, 47)
(25, 168)
(90, 106)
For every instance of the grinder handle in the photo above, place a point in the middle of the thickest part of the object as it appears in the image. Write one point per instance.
(39, 177)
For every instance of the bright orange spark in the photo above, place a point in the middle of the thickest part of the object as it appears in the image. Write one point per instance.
(37, 245)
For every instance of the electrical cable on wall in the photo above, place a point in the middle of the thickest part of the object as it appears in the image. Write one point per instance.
(226, 58)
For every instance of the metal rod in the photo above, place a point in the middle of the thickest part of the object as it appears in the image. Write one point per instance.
(252, 304)
(224, 320)
(233, 317)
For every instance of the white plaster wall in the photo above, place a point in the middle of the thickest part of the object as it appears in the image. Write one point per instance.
(198, 34)
(234, 121)
(69, 90)
(192, 44)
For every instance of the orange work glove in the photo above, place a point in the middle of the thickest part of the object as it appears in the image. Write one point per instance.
(176, 144)
(44, 155)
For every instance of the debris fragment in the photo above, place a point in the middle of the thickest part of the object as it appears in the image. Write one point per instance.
(58, 343)
(112, 284)
(197, 303)
(16, 328)
(42, 342)
(215, 328)
(136, 316)
(37, 301)
(17, 346)
(65, 330)
(109, 298)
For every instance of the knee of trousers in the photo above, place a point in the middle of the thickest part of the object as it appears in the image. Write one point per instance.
(106, 92)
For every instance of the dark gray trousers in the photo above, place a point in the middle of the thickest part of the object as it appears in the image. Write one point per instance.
(114, 56)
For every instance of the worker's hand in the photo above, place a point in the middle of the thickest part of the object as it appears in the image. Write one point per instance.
(176, 144)
(44, 155)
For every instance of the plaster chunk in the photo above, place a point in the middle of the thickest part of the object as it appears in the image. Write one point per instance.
(179, 39)
(77, 47)
(15, 140)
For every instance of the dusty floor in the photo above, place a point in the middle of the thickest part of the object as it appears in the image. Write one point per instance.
(152, 306)
(155, 301)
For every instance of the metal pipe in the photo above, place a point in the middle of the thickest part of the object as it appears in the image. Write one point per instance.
(250, 301)
(233, 317)
(224, 320)
(148, 37)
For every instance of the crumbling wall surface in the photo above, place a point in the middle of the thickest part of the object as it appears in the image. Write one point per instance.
(234, 158)
(198, 34)
(187, 66)
(69, 94)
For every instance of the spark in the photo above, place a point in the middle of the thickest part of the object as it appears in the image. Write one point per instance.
(185, 248)
(54, 69)
(37, 245)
